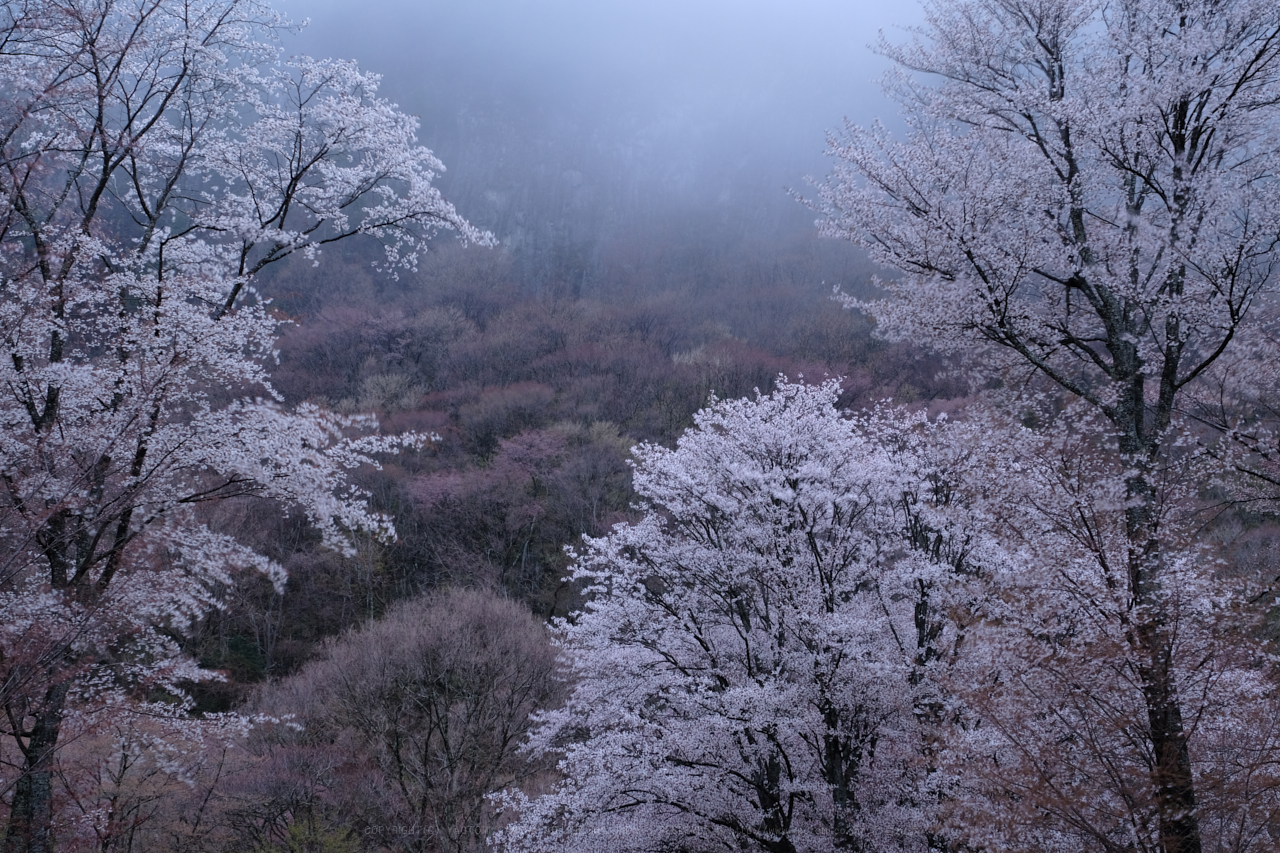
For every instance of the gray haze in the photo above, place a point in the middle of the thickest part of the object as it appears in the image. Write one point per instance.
(576, 120)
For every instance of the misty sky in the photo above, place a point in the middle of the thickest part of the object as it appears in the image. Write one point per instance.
(701, 103)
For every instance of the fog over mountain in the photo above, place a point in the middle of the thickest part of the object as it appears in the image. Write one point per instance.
(575, 121)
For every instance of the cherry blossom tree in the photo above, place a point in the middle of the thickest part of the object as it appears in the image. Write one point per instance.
(155, 156)
(883, 632)
(1087, 199)
(748, 669)
(1044, 744)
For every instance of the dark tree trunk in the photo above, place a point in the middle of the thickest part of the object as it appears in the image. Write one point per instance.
(1172, 779)
(30, 828)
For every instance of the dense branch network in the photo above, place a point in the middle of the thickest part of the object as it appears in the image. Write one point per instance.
(1089, 191)
(154, 157)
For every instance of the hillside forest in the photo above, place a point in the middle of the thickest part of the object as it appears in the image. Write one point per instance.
(927, 506)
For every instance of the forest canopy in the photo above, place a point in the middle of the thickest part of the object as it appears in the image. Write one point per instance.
(326, 523)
